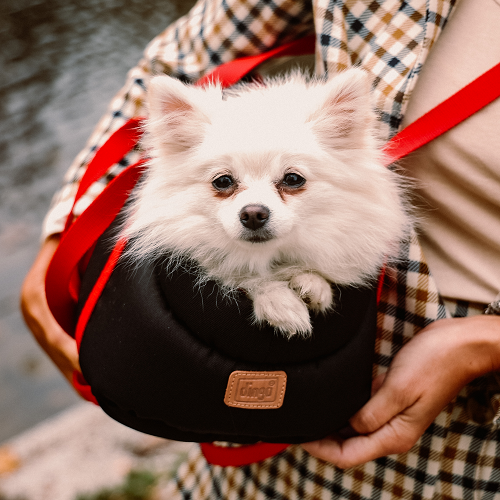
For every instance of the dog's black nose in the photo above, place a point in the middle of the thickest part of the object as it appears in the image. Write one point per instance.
(254, 216)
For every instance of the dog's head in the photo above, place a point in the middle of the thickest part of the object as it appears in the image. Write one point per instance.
(286, 170)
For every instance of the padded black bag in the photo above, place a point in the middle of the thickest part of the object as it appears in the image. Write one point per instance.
(158, 352)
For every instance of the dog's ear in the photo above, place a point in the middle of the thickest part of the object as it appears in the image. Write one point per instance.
(345, 117)
(175, 121)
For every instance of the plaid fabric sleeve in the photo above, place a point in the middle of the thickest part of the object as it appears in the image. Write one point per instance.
(213, 32)
(388, 39)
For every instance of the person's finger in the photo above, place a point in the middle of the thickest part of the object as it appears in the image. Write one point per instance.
(387, 402)
(377, 383)
(398, 436)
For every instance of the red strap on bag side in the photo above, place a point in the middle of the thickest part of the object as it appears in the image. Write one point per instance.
(111, 152)
(78, 239)
(241, 455)
(82, 234)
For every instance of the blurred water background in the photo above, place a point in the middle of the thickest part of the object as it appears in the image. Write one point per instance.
(61, 62)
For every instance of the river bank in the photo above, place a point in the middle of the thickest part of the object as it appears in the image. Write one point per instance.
(82, 451)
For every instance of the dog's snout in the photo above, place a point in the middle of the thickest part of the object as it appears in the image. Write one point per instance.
(254, 216)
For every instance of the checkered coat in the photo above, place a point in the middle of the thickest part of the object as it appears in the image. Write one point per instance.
(456, 458)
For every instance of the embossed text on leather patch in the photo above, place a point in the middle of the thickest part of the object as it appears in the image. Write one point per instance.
(255, 390)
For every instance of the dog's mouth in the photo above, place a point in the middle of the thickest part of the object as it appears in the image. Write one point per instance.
(258, 236)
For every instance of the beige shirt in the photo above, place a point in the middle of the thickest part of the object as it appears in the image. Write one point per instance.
(458, 174)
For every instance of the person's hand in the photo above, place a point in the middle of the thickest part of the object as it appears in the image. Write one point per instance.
(423, 378)
(60, 347)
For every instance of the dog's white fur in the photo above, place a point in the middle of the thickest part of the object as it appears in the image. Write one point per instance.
(338, 227)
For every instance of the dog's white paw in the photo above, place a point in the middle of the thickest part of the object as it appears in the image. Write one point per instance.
(279, 306)
(314, 290)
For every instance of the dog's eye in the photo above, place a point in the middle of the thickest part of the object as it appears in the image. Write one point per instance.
(293, 180)
(223, 182)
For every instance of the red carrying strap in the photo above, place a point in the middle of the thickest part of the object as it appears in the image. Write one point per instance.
(232, 72)
(60, 288)
(241, 455)
(446, 115)
(111, 152)
(457, 108)
(82, 234)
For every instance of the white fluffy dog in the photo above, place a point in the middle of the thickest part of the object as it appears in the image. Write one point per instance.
(276, 189)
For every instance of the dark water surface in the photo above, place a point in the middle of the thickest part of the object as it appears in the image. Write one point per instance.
(61, 62)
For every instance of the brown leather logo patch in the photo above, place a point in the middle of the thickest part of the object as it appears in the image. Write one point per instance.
(257, 390)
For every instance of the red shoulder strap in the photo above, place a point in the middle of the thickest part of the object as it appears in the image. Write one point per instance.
(111, 152)
(232, 72)
(60, 286)
(457, 108)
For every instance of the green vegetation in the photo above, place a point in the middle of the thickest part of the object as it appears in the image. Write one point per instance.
(138, 485)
